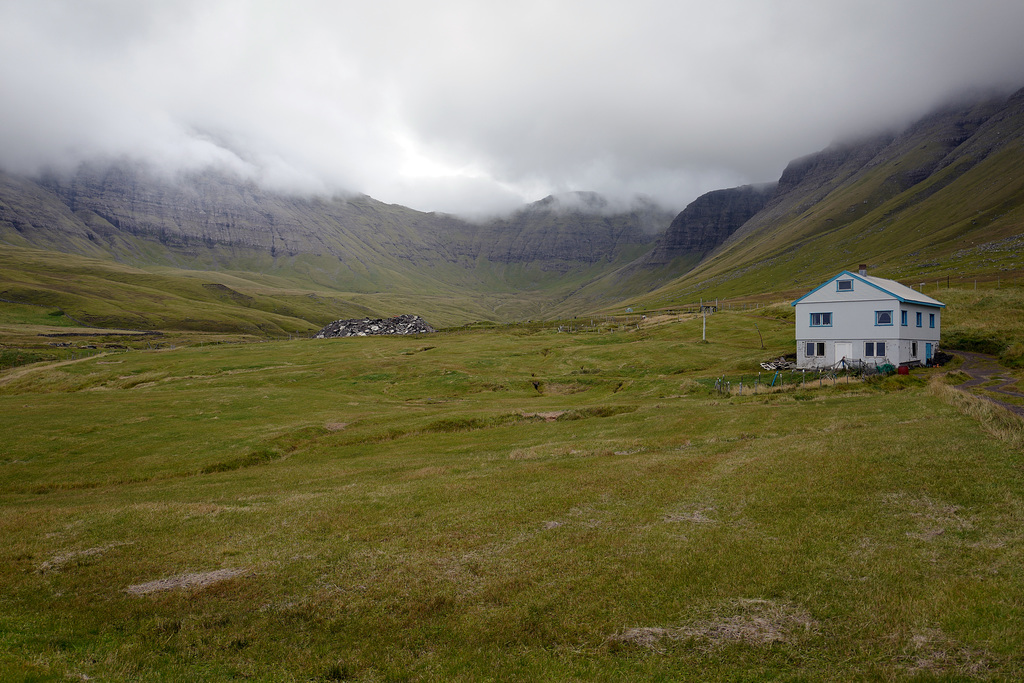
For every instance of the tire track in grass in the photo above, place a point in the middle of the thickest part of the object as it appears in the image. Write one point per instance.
(982, 368)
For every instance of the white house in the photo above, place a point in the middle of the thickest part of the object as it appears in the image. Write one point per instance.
(859, 319)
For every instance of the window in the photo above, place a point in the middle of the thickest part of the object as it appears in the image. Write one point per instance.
(919, 318)
(869, 348)
(931, 320)
(879, 348)
(903, 318)
(874, 349)
(844, 285)
(913, 349)
(821, 320)
(815, 349)
(883, 317)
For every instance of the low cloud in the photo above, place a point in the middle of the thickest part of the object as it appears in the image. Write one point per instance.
(468, 107)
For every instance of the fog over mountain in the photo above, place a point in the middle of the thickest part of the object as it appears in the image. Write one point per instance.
(471, 107)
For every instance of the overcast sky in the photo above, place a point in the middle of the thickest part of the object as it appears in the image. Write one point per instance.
(475, 105)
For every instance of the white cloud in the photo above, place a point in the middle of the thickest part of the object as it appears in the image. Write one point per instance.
(458, 105)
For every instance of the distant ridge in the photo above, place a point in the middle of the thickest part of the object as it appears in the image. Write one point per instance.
(944, 196)
(709, 221)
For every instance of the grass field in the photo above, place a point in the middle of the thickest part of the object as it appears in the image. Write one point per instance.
(508, 503)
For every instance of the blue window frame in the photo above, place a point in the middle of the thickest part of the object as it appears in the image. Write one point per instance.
(903, 318)
(883, 317)
(931, 320)
(919, 318)
(821, 320)
(844, 285)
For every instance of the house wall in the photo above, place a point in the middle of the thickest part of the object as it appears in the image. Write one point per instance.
(854, 322)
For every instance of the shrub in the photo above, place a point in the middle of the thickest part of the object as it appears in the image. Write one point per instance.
(1013, 356)
(973, 341)
(255, 457)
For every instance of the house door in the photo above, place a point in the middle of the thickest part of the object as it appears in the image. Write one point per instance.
(844, 350)
(927, 353)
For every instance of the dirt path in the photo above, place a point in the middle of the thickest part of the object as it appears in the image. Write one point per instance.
(21, 372)
(984, 368)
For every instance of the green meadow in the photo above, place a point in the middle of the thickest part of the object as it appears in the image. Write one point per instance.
(503, 503)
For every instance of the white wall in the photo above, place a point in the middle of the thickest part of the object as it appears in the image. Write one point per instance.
(853, 321)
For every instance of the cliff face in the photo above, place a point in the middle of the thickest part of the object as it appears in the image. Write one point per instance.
(949, 181)
(577, 227)
(204, 210)
(708, 221)
(209, 220)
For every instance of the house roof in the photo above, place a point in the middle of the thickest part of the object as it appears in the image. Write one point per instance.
(891, 287)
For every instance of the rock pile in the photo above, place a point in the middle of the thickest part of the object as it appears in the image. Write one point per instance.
(365, 327)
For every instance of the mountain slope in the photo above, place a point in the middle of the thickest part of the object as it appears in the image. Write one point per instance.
(502, 269)
(708, 222)
(942, 198)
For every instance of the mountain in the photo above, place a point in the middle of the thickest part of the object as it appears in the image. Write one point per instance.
(942, 198)
(518, 266)
(708, 221)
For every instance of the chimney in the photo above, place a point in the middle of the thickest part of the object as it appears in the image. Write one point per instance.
(863, 269)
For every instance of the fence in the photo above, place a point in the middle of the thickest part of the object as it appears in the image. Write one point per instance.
(762, 382)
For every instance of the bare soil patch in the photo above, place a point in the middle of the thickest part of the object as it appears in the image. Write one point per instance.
(931, 517)
(564, 389)
(57, 562)
(548, 416)
(196, 580)
(933, 652)
(695, 516)
(747, 621)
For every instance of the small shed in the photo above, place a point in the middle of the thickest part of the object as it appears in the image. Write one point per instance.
(855, 319)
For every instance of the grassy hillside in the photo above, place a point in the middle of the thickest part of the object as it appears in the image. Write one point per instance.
(942, 199)
(100, 293)
(512, 502)
(103, 294)
(938, 201)
(516, 267)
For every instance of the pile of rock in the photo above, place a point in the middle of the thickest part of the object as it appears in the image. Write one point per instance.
(365, 327)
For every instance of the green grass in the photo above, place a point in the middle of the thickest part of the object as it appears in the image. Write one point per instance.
(502, 503)
(965, 227)
(21, 314)
(987, 320)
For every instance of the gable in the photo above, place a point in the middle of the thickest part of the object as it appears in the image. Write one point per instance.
(848, 287)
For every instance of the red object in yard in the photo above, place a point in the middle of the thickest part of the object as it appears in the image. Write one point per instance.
(903, 370)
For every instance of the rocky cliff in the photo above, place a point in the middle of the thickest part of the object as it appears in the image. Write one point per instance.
(708, 221)
(575, 227)
(212, 221)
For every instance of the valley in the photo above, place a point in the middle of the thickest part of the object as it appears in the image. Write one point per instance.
(574, 478)
(546, 504)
